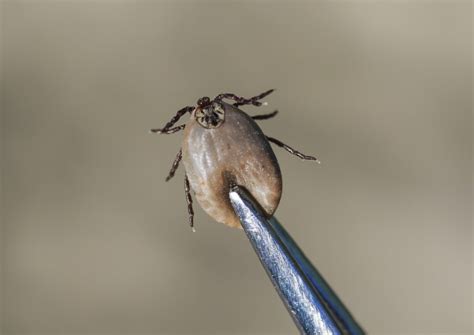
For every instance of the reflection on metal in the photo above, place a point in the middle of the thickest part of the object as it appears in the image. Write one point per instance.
(312, 304)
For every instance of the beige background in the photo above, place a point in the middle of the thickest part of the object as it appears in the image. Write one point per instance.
(95, 242)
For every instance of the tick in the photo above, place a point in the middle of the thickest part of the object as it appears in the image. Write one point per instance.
(223, 146)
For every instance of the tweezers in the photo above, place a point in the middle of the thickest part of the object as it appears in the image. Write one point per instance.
(308, 298)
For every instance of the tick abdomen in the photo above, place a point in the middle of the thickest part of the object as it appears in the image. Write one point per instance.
(236, 152)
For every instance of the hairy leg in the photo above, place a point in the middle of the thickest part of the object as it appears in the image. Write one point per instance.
(239, 101)
(265, 116)
(175, 165)
(169, 130)
(175, 118)
(189, 201)
(291, 150)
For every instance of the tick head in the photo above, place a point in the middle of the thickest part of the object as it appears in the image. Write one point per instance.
(204, 102)
(209, 114)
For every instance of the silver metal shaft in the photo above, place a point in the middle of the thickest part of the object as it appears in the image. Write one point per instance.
(309, 300)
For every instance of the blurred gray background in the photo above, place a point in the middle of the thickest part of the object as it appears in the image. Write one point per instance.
(95, 242)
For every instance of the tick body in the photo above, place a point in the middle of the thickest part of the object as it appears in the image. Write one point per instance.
(223, 146)
(235, 153)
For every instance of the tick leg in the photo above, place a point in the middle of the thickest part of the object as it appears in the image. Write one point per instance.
(175, 118)
(189, 201)
(175, 165)
(265, 116)
(291, 150)
(168, 131)
(254, 100)
(239, 101)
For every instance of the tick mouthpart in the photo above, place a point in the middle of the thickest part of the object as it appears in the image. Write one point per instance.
(204, 102)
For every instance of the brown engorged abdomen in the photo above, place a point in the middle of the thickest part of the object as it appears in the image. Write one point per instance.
(238, 153)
